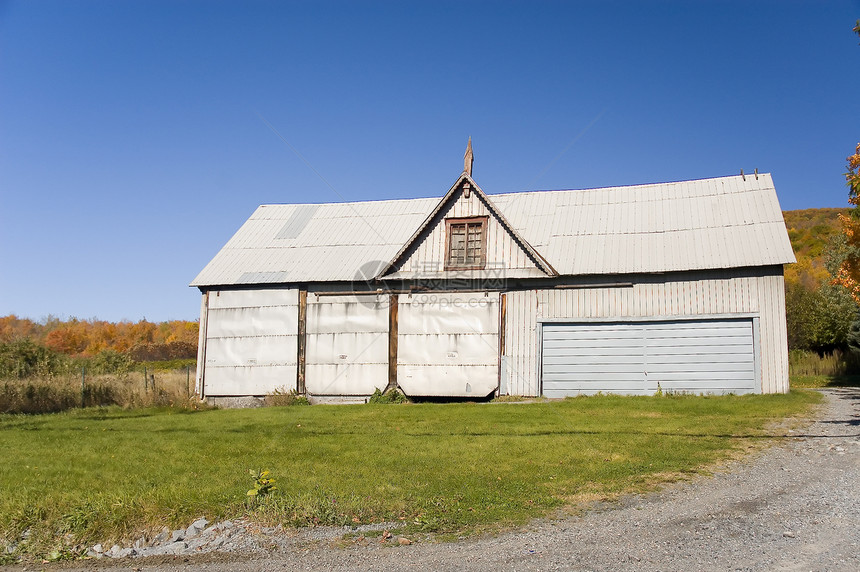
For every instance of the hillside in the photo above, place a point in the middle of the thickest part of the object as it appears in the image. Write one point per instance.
(810, 230)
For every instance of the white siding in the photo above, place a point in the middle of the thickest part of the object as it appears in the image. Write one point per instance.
(251, 342)
(521, 351)
(758, 292)
(774, 335)
(347, 344)
(251, 335)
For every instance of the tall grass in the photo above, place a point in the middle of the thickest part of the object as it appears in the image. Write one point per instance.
(51, 394)
(810, 370)
(806, 363)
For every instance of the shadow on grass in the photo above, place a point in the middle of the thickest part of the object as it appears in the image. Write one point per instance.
(844, 381)
(824, 381)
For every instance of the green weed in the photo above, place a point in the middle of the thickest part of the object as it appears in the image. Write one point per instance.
(281, 397)
(263, 485)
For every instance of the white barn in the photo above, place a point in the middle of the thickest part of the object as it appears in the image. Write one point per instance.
(672, 286)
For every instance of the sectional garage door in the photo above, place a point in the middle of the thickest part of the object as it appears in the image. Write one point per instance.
(693, 356)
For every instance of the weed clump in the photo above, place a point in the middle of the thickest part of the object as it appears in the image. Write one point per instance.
(281, 397)
(390, 396)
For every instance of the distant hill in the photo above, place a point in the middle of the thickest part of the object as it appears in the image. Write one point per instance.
(809, 231)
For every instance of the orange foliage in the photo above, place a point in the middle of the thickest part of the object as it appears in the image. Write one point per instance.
(849, 271)
(70, 338)
(89, 337)
(12, 327)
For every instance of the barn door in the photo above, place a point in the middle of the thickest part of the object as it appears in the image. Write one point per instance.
(347, 344)
(251, 340)
(448, 344)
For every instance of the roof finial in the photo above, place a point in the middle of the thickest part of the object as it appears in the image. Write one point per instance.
(468, 159)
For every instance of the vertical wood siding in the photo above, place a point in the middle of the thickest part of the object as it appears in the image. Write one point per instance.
(713, 293)
(201, 345)
(774, 335)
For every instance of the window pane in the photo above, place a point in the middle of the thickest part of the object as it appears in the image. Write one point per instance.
(473, 243)
(465, 246)
(458, 245)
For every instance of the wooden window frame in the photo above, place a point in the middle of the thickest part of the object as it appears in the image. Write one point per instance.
(482, 220)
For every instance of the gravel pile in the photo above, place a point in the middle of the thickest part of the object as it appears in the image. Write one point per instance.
(238, 536)
(795, 506)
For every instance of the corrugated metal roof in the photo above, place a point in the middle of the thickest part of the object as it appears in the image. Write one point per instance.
(334, 242)
(726, 222)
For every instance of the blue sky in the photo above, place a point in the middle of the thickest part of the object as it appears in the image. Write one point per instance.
(134, 138)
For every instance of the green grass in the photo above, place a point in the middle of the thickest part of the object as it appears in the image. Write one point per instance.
(104, 474)
(819, 381)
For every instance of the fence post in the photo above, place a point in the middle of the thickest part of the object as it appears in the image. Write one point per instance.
(145, 381)
(187, 381)
(83, 384)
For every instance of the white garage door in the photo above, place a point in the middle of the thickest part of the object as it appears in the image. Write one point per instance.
(448, 344)
(693, 356)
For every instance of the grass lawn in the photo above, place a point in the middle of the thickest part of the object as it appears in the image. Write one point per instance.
(101, 474)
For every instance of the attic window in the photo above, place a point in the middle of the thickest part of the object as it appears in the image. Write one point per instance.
(467, 243)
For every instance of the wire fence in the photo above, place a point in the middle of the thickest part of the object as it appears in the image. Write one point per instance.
(48, 394)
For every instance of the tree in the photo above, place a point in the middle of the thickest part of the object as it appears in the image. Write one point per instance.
(819, 320)
(848, 274)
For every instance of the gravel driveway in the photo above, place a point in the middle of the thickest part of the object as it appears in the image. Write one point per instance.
(795, 506)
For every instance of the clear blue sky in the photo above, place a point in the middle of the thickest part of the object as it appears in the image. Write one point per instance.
(132, 145)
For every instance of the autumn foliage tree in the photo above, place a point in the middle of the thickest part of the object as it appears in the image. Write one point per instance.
(848, 273)
(141, 340)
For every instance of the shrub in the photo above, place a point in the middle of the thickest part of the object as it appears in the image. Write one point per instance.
(36, 398)
(110, 361)
(163, 351)
(24, 358)
(818, 319)
(63, 391)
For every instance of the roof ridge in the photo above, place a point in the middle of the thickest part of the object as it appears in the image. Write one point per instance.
(526, 191)
(638, 186)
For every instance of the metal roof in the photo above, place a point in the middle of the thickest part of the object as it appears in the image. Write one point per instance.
(726, 222)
